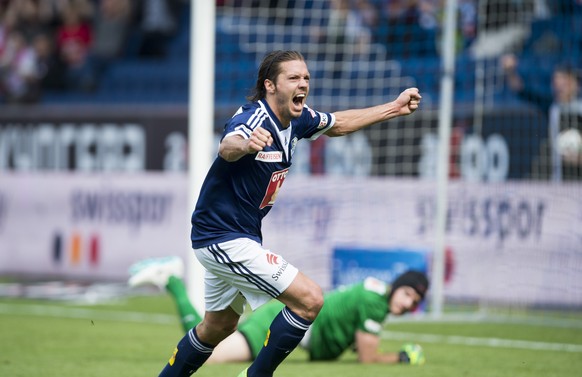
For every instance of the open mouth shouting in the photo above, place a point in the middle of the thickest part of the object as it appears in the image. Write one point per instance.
(298, 101)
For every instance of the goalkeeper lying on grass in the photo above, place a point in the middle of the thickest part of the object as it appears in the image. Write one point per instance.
(351, 318)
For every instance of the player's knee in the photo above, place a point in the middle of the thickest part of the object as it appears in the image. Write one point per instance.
(313, 302)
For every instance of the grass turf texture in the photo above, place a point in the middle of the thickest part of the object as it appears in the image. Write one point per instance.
(135, 337)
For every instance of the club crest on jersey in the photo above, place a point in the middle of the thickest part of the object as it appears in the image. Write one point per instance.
(273, 156)
(273, 188)
(293, 145)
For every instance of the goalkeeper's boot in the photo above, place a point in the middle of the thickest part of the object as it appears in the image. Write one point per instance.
(156, 271)
(243, 373)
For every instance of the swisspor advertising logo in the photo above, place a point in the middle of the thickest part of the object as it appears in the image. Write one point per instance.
(113, 215)
(275, 184)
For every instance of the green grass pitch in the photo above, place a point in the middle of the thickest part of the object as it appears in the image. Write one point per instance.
(135, 336)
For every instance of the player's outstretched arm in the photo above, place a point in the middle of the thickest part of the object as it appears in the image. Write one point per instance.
(368, 349)
(232, 148)
(348, 121)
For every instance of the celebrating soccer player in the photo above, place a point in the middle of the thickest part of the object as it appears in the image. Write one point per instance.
(254, 156)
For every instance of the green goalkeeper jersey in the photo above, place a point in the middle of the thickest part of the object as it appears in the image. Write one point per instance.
(362, 306)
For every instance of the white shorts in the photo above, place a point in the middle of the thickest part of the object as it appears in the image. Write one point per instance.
(242, 269)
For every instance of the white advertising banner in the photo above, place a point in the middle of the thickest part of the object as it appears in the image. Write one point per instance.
(90, 225)
(516, 242)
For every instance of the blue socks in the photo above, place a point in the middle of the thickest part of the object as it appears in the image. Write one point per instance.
(189, 355)
(285, 333)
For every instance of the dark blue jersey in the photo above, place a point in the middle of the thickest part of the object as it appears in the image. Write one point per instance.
(235, 196)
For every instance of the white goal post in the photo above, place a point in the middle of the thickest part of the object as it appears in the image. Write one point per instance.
(200, 124)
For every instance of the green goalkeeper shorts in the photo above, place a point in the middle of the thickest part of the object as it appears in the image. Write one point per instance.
(255, 327)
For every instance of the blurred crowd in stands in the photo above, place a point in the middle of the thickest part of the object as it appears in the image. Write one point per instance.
(68, 45)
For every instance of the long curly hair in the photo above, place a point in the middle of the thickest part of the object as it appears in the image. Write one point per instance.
(270, 69)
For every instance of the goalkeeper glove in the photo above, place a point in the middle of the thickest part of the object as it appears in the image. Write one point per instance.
(411, 354)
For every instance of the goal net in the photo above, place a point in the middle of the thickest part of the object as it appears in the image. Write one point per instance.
(514, 218)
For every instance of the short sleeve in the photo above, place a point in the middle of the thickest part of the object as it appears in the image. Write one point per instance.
(372, 312)
(312, 124)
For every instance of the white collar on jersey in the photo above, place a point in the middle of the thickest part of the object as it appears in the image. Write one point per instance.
(283, 134)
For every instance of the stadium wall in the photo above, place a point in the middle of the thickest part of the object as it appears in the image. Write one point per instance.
(507, 146)
(510, 240)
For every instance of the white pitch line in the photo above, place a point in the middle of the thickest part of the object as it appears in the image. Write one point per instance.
(483, 342)
(492, 318)
(81, 313)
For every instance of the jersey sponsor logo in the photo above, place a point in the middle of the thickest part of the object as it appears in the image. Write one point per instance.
(272, 258)
(374, 285)
(323, 121)
(275, 184)
(274, 156)
(280, 271)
